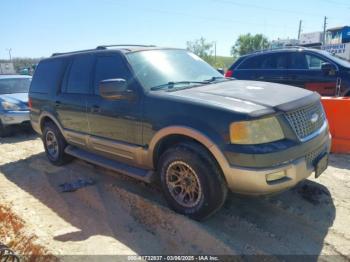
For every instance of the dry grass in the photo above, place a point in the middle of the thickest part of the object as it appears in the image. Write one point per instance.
(12, 234)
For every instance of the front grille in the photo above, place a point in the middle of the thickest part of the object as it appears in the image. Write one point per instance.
(314, 155)
(307, 120)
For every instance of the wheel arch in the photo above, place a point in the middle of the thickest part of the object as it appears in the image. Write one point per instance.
(47, 117)
(170, 136)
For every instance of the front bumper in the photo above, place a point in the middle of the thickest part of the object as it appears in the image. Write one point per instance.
(253, 181)
(14, 117)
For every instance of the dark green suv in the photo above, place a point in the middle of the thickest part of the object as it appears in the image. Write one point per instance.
(164, 114)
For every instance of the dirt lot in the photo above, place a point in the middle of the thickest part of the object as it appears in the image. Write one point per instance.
(119, 215)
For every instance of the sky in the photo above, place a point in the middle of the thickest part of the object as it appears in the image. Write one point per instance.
(38, 28)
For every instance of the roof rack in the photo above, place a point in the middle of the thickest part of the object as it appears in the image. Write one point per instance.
(120, 45)
(73, 52)
(279, 48)
(100, 47)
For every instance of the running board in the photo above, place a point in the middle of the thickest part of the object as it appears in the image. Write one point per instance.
(137, 173)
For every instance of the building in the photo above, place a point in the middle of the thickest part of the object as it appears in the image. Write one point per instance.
(338, 41)
(7, 69)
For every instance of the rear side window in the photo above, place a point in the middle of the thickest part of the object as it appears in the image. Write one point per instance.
(109, 67)
(47, 76)
(277, 61)
(298, 61)
(252, 63)
(79, 77)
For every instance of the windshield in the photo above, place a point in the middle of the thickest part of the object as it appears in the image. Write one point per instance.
(159, 67)
(14, 85)
(336, 59)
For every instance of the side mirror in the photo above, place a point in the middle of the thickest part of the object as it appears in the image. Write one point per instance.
(328, 68)
(221, 71)
(114, 89)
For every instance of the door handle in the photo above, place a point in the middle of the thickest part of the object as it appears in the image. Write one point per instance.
(259, 78)
(95, 109)
(57, 103)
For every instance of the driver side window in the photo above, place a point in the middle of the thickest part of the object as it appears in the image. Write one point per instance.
(314, 62)
(109, 67)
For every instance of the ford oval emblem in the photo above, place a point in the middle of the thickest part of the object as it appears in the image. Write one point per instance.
(314, 118)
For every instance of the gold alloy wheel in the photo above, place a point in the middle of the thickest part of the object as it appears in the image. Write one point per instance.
(183, 184)
(52, 144)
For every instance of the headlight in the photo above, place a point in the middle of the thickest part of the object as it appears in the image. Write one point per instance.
(256, 131)
(8, 106)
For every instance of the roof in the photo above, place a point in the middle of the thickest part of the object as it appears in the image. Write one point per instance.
(14, 76)
(123, 48)
(336, 28)
(283, 49)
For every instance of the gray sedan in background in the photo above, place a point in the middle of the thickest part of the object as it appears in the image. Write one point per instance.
(14, 108)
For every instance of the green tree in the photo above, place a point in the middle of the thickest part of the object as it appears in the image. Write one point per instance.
(249, 43)
(202, 48)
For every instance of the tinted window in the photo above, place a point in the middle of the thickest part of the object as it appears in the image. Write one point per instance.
(275, 61)
(298, 61)
(14, 85)
(268, 61)
(79, 79)
(252, 62)
(314, 62)
(108, 67)
(47, 75)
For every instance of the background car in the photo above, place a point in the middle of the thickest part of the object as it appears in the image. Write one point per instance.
(312, 69)
(14, 108)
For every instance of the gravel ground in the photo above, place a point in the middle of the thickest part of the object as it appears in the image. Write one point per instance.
(119, 215)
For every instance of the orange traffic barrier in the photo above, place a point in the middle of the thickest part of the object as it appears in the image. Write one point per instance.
(338, 114)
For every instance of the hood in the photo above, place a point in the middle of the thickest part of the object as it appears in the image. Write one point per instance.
(16, 98)
(252, 97)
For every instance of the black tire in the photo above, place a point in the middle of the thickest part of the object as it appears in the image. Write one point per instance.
(60, 157)
(4, 131)
(212, 185)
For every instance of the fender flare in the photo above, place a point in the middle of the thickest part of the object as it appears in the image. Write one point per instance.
(193, 134)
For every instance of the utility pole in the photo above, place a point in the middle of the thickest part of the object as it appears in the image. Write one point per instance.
(300, 29)
(324, 29)
(215, 50)
(9, 50)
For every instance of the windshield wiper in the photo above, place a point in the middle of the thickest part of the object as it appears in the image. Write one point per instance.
(216, 78)
(170, 85)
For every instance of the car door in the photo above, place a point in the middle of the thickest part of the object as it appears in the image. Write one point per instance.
(305, 71)
(70, 102)
(114, 124)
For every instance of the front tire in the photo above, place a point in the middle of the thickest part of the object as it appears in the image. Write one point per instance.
(4, 130)
(192, 182)
(55, 144)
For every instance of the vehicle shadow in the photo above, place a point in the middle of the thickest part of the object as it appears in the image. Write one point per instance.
(19, 134)
(295, 222)
(85, 214)
(341, 161)
(289, 224)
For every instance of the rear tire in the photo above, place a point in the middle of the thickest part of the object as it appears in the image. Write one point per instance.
(55, 144)
(192, 182)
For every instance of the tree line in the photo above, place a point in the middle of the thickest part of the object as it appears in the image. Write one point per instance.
(245, 44)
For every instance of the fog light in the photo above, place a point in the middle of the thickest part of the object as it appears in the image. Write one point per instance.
(275, 176)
